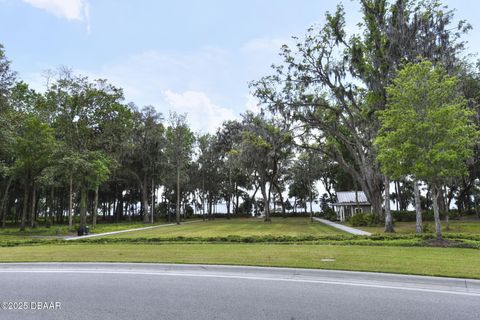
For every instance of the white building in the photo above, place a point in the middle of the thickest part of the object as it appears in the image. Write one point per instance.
(349, 203)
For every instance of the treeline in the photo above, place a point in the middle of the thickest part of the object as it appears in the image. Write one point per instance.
(78, 149)
(78, 152)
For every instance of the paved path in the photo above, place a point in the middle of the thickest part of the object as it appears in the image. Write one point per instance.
(342, 227)
(128, 230)
(160, 291)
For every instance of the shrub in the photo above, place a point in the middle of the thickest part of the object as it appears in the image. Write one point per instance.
(362, 220)
(427, 228)
(427, 215)
(293, 214)
(329, 214)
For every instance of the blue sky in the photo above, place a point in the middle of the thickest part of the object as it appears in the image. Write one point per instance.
(194, 57)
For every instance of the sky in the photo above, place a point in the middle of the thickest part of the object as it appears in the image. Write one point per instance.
(195, 57)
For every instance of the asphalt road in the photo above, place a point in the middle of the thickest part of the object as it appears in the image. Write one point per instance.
(155, 291)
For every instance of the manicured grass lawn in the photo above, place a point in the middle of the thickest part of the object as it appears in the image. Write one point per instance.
(238, 227)
(62, 230)
(377, 255)
(419, 260)
(456, 226)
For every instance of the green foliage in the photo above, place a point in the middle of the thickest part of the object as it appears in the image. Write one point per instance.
(427, 130)
(329, 214)
(427, 215)
(246, 206)
(305, 171)
(34, 147)
(180, 140)
(362, 220)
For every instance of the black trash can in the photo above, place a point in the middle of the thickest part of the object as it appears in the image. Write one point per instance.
(80, 231)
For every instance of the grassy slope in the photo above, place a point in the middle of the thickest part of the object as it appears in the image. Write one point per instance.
(421, 260)
(63, 230)
(240, 227)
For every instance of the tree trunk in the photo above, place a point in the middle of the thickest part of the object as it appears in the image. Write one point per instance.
(152, 209)
(475, 199)
(441, 201)
(95, 208)
(83, 207)
(371, 182)
(168, 211)
(428, 197)
(277, 188)
(24, 208)
(203, 206)
(311, 209)
(446, 208)
(266, 203)
(253, 196)
(418, 208)
(34, 202)
(436, 212)
(178, 195)
(397, 192)
(228, 207)
(209, 205)
(145, 200)
(236, 198)
(49, 203)
(388, 213)
(4, 202)
(229, 193)
(70, 204)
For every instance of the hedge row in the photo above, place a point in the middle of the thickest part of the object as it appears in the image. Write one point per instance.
(427, 215)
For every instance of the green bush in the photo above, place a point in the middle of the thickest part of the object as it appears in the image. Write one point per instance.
(279, 214)
(427, 215)
(362, 220)
(329, 214)
(427, 228)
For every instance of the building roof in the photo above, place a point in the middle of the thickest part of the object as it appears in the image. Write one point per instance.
(348, 197)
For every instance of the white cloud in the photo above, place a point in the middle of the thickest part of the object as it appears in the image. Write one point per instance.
(208, 83)
(145, 74)
(66, 9)
(202, 114)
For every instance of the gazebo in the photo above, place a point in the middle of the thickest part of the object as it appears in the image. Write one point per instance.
(350, 203)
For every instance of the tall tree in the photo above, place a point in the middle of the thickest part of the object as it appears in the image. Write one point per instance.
(83, 112)
(34, 148)
(305, 172)
(180, 140)
(146, 152)
(427, 131)
(265, 150)
(331, 84)
(210, 170)
(7, 132)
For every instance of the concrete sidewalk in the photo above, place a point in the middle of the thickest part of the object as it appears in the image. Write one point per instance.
(343, 228)
(128, 230)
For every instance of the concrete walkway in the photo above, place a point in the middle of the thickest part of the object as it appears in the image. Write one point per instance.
(343, 228)
(128, 230)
